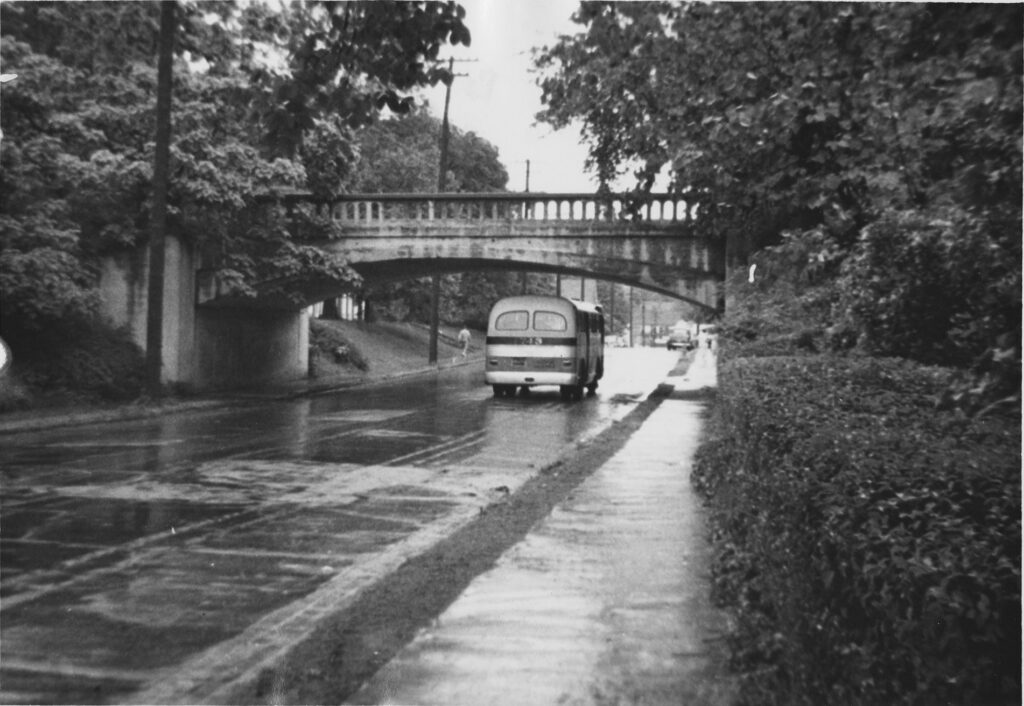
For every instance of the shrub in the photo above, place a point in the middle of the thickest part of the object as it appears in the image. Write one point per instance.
(14, 395)
(92, 361)
(868, 542)
(328, 343)
(939, 287)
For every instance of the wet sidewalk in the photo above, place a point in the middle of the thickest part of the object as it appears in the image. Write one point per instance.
(604, 602)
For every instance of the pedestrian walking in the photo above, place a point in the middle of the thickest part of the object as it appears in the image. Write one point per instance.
(464, 340)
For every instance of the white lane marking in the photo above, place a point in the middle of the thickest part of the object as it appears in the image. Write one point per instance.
(393, 434)
(65, 669)
(111, 444)
(134, 550)
(439, 449)
(362, 415)
(440, 456)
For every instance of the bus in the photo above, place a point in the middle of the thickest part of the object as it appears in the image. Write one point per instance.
(544, 340)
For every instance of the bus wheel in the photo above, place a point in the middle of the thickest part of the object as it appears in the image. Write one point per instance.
(499, 390)
(566, 391)
(524, 390)
(577, 392)
(592, 388)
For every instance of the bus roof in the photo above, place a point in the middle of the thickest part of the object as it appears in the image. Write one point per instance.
(534, 300)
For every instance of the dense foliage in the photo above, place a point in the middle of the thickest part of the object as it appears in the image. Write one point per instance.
(827, 128)
(78, 125)
(402, 156)
(264, 96)
(869, 543)
(866, 157)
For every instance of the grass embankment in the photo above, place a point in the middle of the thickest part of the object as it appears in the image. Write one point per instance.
(868, 541)
(347, 348)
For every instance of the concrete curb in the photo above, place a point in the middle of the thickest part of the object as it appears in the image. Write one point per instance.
(231, 671)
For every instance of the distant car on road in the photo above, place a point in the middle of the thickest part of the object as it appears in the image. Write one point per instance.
(679, 339)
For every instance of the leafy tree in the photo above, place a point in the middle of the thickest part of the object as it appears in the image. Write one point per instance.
(401, 155)
(351, 59)
(398, 156)
(75, 131)
(346, 62)
(78, 126)
(800, 124)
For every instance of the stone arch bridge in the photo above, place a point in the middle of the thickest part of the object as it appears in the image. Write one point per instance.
(214, 341)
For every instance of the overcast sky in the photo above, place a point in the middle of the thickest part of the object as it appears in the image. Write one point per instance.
(499, 98)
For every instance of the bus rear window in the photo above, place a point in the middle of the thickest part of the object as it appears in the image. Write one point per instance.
(512, 321)
(549, 321)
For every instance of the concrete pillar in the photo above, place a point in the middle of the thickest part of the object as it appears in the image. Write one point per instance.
(179, 341)
(124, 292)
(124, 298)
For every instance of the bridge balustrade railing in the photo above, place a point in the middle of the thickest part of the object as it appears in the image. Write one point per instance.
(378, 209)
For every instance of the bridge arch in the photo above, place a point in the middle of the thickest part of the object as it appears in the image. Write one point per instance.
(645, 242)
(401, 269)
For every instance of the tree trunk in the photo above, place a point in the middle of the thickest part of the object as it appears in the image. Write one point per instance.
(161, 173)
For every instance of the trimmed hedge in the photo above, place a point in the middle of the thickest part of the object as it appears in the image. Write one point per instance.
(868, 542)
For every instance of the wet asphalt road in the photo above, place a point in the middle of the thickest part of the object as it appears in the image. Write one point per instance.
(170, 559)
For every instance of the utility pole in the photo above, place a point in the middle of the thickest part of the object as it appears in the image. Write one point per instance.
(158, 236)
(643, 318)
(442, 170)
(442, 179)
(631, 317)
(527, 176)
(435, 316)
(611, 308)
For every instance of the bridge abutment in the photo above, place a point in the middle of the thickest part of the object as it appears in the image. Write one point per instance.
(203, 348)
(124, 297)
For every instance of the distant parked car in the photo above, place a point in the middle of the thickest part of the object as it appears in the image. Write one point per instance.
(679, 339)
